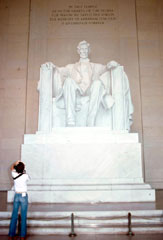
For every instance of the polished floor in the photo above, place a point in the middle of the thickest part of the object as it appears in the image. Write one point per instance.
(95, 237)
(91, 207)
(158, 205)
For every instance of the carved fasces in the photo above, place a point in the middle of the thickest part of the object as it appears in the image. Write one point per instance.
(123, 109)
(45, 97)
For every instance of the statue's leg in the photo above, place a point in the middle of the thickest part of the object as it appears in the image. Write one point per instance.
(69, 92)
(96, 92)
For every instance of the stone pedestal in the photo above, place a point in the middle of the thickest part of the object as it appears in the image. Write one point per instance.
(84, 165)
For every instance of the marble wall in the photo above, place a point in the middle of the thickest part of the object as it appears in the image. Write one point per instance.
(32, 33)
(14, 30)
(150, 44)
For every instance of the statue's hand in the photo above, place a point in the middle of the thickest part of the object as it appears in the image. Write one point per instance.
(48, 66)
(112, 65)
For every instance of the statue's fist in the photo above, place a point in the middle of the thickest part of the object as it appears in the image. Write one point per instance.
(48, 65)
(112, 64)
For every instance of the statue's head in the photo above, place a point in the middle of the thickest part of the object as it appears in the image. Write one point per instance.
(83, 49)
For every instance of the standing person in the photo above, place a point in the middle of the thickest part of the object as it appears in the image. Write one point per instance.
(20, 199)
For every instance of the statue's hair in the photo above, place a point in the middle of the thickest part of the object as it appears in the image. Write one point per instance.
(83, 42)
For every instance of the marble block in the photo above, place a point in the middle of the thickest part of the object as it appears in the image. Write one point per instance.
(85, 165)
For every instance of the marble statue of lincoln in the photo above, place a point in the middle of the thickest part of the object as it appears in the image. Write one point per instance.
(96, 81)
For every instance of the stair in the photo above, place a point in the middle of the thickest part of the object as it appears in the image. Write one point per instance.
(88, 222)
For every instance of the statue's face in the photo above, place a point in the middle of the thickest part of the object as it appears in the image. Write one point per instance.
(83, 51)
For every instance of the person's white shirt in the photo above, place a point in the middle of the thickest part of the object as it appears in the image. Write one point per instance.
(20, 183)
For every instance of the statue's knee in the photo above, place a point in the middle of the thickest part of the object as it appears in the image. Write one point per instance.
(96, 84)
(68, 81)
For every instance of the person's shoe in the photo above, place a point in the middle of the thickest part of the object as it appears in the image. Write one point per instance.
(13, 238)
(10, 238)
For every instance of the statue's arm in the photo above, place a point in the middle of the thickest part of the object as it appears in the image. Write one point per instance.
(57, 75)
(102, 69)
(64, 72)
(98, 71)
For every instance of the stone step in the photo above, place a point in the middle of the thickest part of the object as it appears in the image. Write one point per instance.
(85, 222)
(81, 187)
(88, 196)
(52, 231)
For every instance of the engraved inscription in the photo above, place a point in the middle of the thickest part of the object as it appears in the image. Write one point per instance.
(82, 14)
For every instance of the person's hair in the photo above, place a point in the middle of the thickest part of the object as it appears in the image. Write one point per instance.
(83, 42)
(20, 167)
